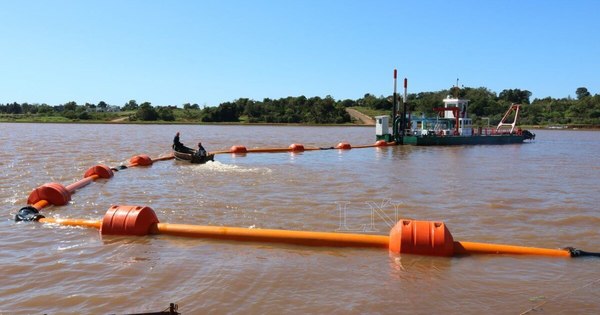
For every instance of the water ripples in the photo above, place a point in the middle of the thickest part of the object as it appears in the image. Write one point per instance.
(541, 194)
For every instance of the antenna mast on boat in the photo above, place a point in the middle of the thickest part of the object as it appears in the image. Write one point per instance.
(456, 89)
(399, 122)
(395, 101)
(404, 107)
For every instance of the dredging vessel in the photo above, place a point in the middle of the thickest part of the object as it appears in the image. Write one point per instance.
(451, 126)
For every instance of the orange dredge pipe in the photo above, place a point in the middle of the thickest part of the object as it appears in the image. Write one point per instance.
(81, 183)
(470, 248)
(295, 147)
(245, 234)
(40, 204)
(58, 195)
(407, 237)
(273, 236)
(138, 220)
(433, 238)
(73, 222)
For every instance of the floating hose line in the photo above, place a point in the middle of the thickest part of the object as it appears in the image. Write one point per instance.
(406, 237)
(296, 147)
(580, 253)
(56, 194)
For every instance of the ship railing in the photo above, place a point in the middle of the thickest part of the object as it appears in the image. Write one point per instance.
(480, 131)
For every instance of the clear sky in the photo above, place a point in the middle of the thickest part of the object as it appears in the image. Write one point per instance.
(208, 52)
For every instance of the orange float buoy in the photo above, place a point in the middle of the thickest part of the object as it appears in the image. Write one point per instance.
(54, 193)
(238, 149)
(421, 238)
(296, 147)
(380, 143)
(128, 220)
(343, 146)
(102, 171)
(141, 160)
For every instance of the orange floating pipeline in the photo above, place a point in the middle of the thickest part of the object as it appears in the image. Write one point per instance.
(268, 150)
(305, 238)
(238, 149)
(139, 221)
(343, 146)
(49, 193)
(407, 237)
(471, 248)
(81, 183)
(381, 143)
(41, 204)
(73, 222)
(433, 239)
(59, 195)
(140, 160)
(295, 147)
(421, 238)
(164, 158)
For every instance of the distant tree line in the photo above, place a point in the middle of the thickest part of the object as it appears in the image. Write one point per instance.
(314, 110)
(484, 103)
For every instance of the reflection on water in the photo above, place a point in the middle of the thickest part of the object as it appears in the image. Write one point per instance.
(540, 194)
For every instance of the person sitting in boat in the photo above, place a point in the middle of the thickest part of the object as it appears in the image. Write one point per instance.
(201, 151)
(178, 146)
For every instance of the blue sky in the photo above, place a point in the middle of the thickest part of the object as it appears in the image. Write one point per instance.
(208, 52)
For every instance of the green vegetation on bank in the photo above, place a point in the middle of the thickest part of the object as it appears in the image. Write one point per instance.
(583, 111)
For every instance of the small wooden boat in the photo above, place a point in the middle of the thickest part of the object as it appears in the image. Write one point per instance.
(192, 157)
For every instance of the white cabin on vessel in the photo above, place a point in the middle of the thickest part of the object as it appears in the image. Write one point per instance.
(465, 124)
(451, 120)
(382, 129)
(382, 125)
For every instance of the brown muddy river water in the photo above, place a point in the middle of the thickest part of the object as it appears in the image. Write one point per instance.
(543, 194)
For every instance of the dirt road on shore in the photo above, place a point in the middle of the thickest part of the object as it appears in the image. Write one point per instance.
(362, 118)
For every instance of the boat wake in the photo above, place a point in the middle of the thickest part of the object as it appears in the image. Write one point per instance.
(218, 167)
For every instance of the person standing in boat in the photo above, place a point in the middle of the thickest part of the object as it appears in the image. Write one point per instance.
(201, 151)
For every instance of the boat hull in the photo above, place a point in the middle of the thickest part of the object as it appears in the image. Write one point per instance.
(192, 158)
(462, 140)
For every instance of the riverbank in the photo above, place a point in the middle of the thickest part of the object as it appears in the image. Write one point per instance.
(183, 123)
(565, 127)
(91, 122)
(360, 119)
